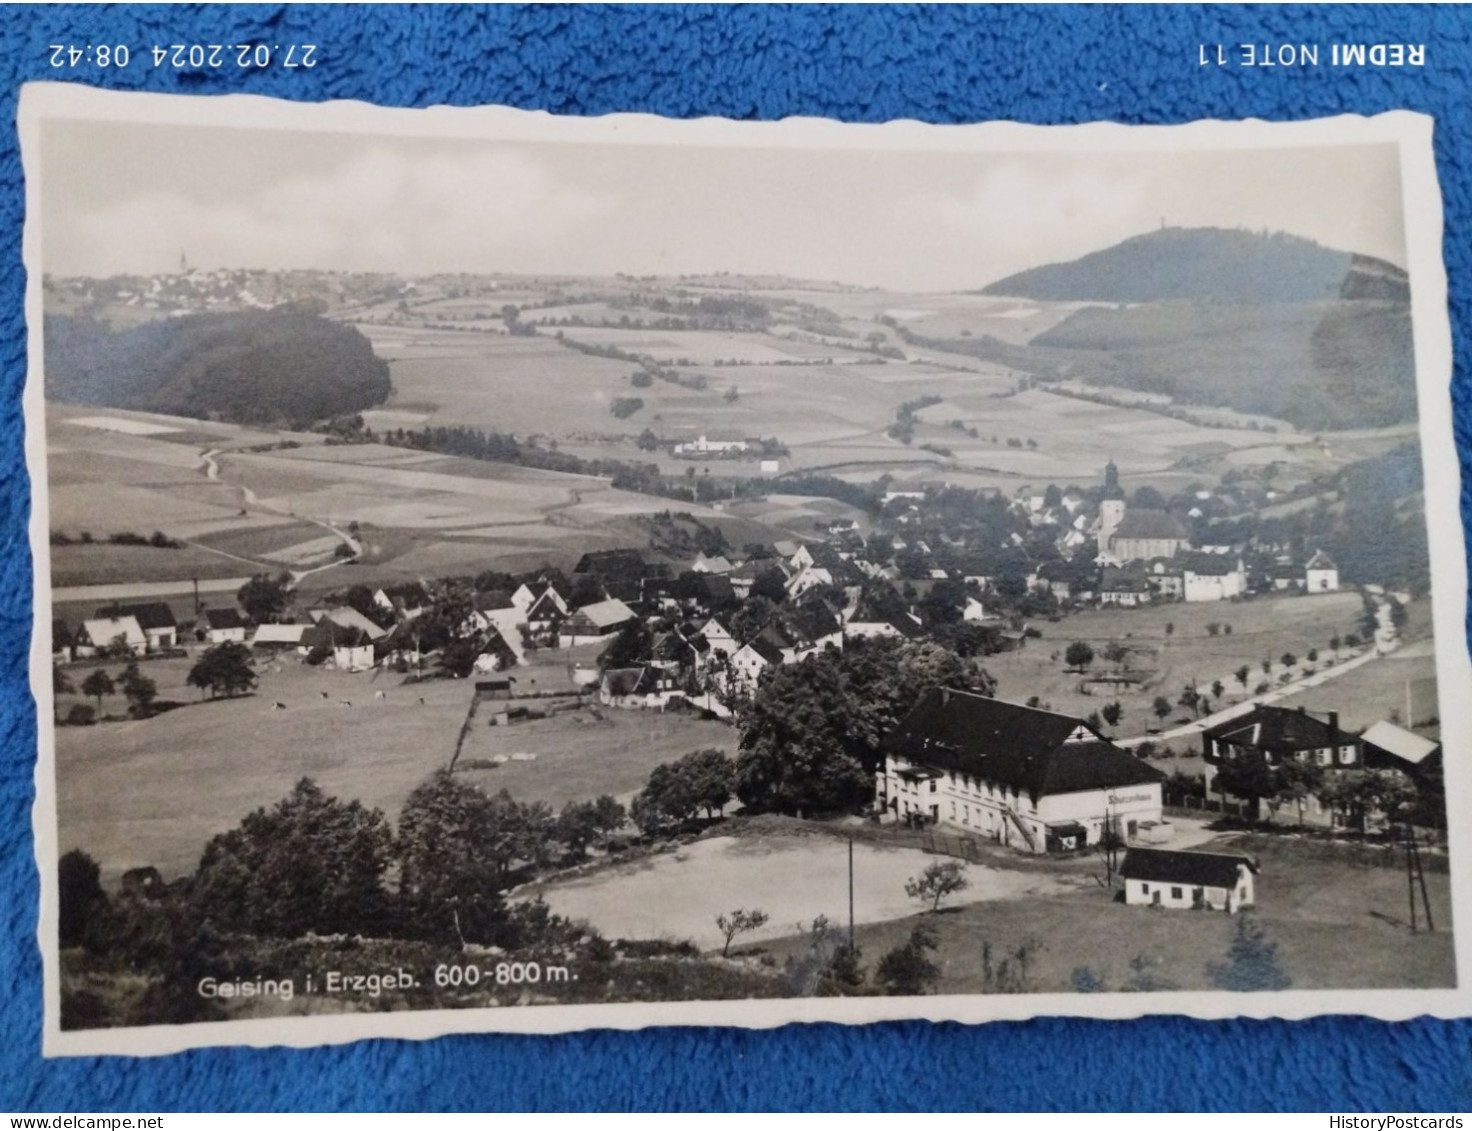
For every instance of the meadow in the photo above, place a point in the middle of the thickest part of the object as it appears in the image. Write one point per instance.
(152, 792)
(1336, 925)
(1262, 628)
(817, 387)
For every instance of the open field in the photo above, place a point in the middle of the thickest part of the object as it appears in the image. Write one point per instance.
(825, 397)
(100, 563)
(585, 753)
(1336, 924)
(1262, 628)
(677, 895)
(153, 792)
(422, 514)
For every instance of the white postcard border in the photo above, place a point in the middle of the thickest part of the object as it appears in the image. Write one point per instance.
(1422, 207)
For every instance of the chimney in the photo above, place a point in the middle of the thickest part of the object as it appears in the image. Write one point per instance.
(1334, 721)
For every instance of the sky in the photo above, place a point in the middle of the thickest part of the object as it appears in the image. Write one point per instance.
(129, 199)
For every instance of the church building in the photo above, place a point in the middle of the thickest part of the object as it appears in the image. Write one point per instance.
(1129, 534)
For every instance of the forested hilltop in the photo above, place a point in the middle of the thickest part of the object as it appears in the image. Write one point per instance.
(1270, 325)
(287, 366)
(1209, 264)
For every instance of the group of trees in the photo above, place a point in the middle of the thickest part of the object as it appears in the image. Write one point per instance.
(283, 366)
(1356, 793)
(810, 735)
(678, 791)
(140, 691)
(315, 864)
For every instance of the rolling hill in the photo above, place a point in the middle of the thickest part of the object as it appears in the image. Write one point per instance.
(284, 366)
(1204, 264)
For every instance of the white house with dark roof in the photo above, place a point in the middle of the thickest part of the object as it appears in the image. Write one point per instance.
(155, 618)
(1208, 881)
(1321, 575)
(1211, 577)
(224, 625)
(1024, 777)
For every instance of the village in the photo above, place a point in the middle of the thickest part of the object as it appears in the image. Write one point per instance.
(1209, 670)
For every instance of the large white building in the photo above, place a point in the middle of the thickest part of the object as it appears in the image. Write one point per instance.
(1020, 776)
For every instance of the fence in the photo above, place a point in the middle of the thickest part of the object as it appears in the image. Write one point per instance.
(966, 848)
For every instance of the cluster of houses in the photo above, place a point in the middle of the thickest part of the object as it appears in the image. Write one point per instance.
(1128, 556)
(140, 630)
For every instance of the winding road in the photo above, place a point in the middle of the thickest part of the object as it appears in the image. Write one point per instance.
(1386, 641)
(209, 460)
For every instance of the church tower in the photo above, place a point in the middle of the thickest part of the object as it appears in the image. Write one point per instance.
(1111, 507)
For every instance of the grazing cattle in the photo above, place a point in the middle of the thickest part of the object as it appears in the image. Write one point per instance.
(379, 695)
(344, 702)
(324, 695)
(421, 700)
(278, 706)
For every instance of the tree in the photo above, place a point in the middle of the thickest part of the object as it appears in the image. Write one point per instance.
(1112, 713)
(1288, 659)
(1248, 776)
(633, 645)
(455, 848)
(309, 863)
(1116, 653)
(457, 657)
(264, 598)
(226, 669)
(61, 683)
(1161, 707)
(98, 684)
(907, 970)
(1218, 689)
(1170, 628)
(647, 441)
(583, 823)
(139, 689)
(936, 882)
(739, 922)
(1298, 780)
(609, 816)
(1252, 962)
(80, 898)
(1242, 674)
(1078, 656)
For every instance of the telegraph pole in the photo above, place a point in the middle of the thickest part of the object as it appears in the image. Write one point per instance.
(850, 895)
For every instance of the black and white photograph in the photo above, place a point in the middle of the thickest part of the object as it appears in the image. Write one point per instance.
(507, 572)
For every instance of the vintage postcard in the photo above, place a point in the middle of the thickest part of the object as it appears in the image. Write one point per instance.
(502, 572)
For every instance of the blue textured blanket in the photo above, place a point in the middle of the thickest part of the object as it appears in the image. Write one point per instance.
(944, 64)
